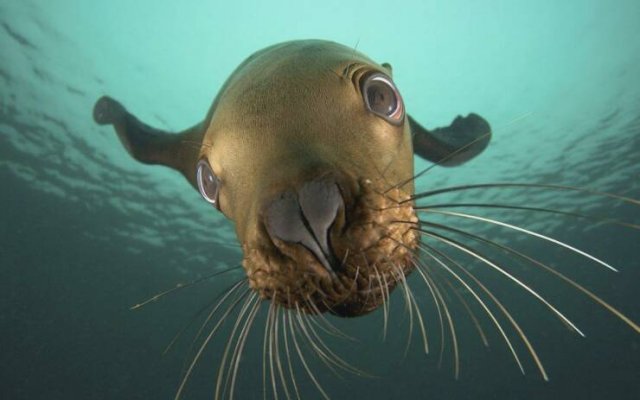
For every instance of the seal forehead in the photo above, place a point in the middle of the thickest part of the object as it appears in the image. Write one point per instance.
(289, 109)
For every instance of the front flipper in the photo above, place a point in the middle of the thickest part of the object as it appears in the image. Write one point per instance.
(453, 145)
(149, 145)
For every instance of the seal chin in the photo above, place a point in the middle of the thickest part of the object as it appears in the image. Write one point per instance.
(323, 250)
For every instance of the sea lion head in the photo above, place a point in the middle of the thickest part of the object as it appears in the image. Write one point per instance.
(304, 152)
(308, 149)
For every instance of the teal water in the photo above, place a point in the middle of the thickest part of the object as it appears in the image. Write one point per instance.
(86, 232)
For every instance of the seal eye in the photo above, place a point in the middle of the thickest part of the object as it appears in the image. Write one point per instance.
(208, 183)
(381, 97)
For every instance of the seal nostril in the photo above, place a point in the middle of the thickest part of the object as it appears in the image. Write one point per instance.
(307, 218)
(320, 201)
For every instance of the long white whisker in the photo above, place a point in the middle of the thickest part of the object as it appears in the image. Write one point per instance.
(493, 318)
(236, 325)
(560, 275)
(423, 330)
(528, 232)
(469, 311)
(331, 329)
(330, 355)
(522, 185)
(244, 333)
(408, 308)
(454, 340)
(272, 370)
(277, 350)
(265, 341)
(211, 333)
(474, 254)
(385, 305)
(512, 320)
(593, 218)
(304, 362)
(286, 348)
(436, 302)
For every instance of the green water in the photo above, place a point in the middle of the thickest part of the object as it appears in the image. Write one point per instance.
(86, 232)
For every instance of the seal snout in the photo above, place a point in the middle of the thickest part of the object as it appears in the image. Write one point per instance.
(305, 217)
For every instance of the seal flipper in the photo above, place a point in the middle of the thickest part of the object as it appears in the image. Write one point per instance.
(453, 145)
(149, 145)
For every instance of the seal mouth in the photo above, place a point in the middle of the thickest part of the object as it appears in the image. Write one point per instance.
(323, 249)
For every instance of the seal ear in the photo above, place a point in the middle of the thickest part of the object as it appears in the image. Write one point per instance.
(149, 145)
(453, 145)
(388, 67)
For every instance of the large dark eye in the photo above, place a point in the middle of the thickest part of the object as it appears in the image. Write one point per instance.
(208, 183)
(382, 97)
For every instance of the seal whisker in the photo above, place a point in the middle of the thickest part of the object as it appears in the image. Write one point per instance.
(446, 158)
(196, 145)
(274, 385)
(427, 250)
(401, 279)
(475, 254)
(370, 278)
(180, 286)
(470, 313)
(285, 334)
(514, 323)
(519, 185)
(523, 256)
(369, 290)
(242, 337)
(326, 360)
(478, 139)
(221, 368)
(452, 329)
(330, 328)
(435, 301)
(265, 341)
(206, 341)
(593, 218)
(304, 362)
(385, 309)
(221, 299)
(330, 355)
(423, 330)
(195, 316)
(525, 231)
(276, 335)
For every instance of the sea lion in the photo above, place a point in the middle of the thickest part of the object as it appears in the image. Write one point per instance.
(308, 149)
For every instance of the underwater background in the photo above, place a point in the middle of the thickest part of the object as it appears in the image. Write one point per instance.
(86, 232)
